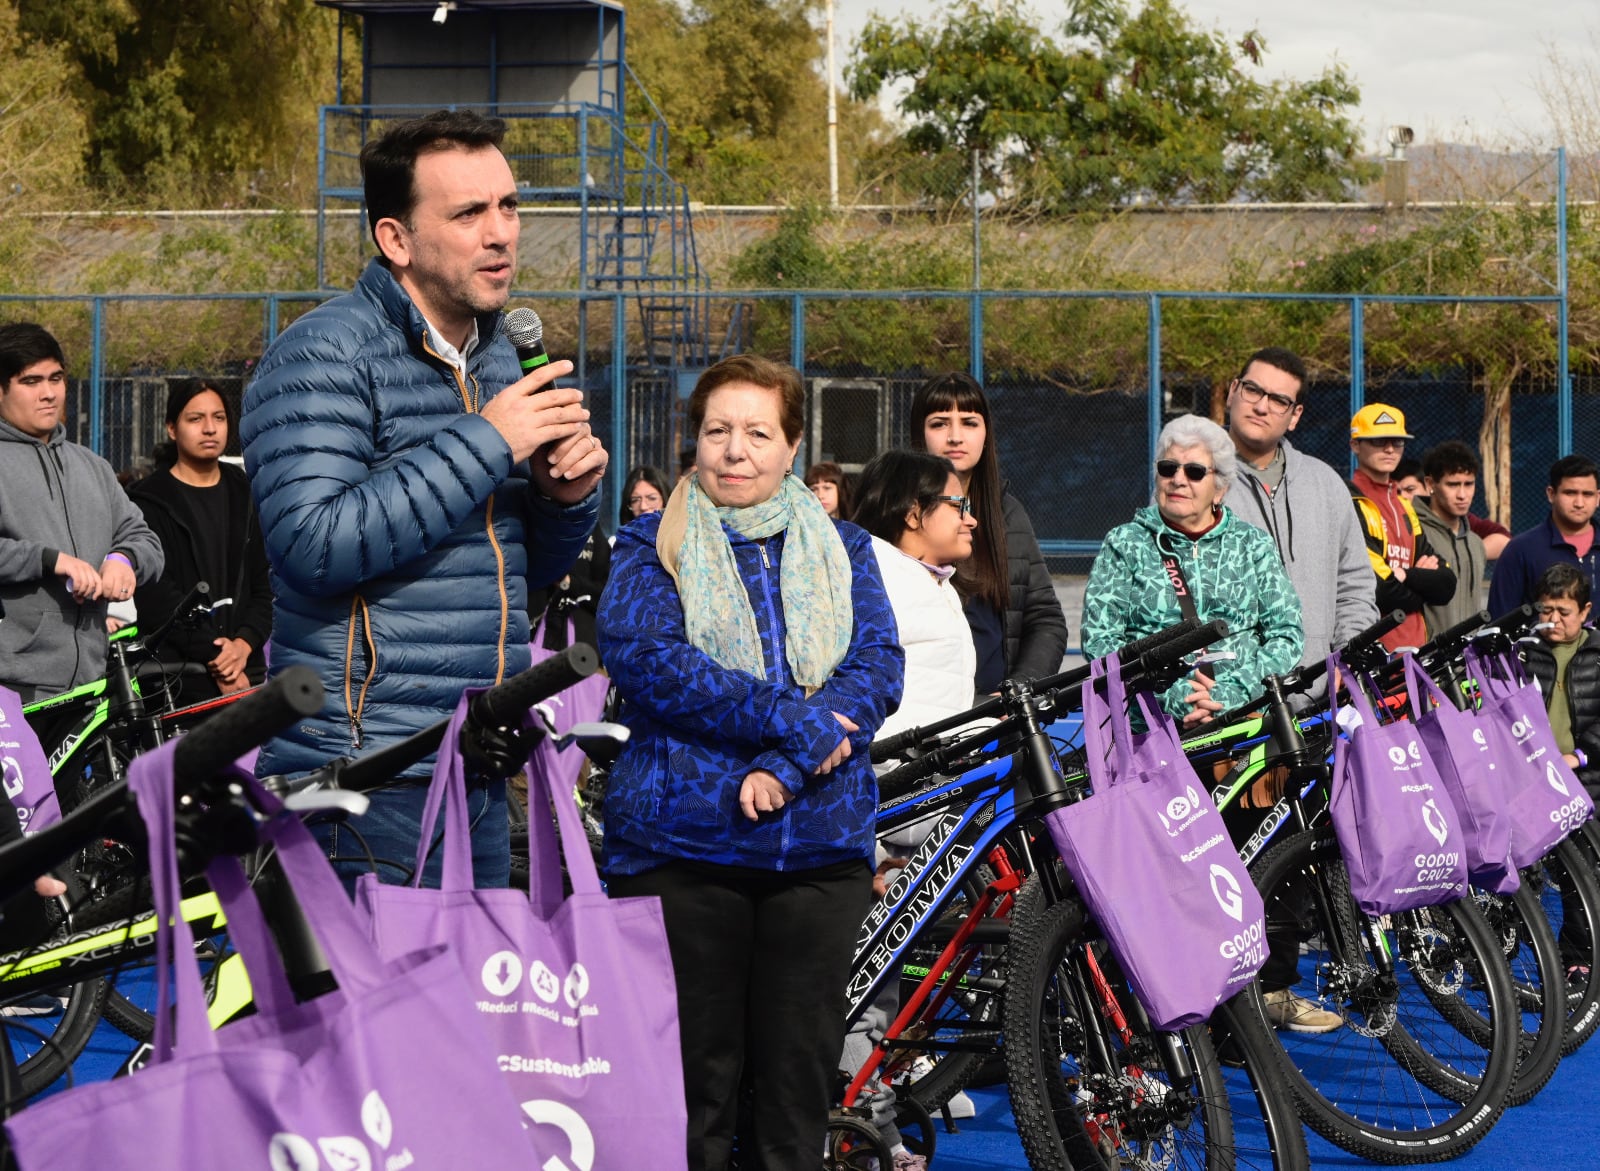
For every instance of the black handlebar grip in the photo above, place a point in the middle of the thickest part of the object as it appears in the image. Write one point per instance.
(1169, 652)
(1158, 640)
(1513, 622)
(1384, 625)
(883, 750)
(506, 703)
(247, 723)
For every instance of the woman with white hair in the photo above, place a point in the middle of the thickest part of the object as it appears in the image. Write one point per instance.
(1187, 554)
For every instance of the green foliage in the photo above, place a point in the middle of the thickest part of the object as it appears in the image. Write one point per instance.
(741, 86)
(1128, 108)
(172, 91)
(42, 129)
(791, 257)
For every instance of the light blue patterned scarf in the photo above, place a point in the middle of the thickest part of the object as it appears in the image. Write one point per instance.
(814, 581)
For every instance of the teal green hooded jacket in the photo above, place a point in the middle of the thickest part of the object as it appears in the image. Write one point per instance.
(1233, 572)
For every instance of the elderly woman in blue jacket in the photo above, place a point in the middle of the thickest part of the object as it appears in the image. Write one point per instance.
(756, 654)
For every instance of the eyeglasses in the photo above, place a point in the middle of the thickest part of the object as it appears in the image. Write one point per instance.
(1385, 443)
(1167, 469)
(964, 503)
(1278, 404)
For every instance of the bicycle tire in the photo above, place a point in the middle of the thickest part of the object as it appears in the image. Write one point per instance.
(133, 1014)
(1135, 1118)
(1529, 945)
(1569, 891)
(854, 1144)
(1366, 1086)
(44, 1047)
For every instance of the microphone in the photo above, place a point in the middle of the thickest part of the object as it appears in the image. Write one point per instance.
(526, 332)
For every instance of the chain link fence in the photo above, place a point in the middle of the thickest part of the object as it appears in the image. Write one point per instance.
(1079, 383)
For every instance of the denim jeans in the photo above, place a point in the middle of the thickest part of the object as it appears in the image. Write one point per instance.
(393, 823)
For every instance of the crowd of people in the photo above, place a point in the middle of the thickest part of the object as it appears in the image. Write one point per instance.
(414, 510)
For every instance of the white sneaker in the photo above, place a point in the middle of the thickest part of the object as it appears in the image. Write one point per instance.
(961, 1106)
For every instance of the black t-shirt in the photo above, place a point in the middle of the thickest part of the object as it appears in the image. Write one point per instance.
(208, 519)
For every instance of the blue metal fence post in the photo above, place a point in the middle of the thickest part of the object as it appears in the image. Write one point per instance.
(975, 334)
(1563, 374)
(322, 189)
(619, 398)
(97, 373)
(1358, 363)
(797, 332)
(1153, 406)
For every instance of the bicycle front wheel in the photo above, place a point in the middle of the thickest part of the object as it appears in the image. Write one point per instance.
(1092, 1091)
(1565, 882)
(1399, 1082)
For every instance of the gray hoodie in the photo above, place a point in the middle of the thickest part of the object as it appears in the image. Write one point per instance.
(57, 497)
(1462, 550)
(1311, 520)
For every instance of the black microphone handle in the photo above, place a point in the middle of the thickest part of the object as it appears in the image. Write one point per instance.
(532, 355)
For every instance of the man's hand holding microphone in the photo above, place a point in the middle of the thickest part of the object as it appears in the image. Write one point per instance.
(545, 424)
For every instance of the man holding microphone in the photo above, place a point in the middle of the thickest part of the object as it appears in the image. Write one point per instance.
(412, 482)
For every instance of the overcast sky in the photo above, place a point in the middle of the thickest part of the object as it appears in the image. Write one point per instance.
(1454, 70)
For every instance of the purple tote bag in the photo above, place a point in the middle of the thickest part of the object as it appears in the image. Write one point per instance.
(1473, 773)
(1397, 827)
(578, 993)
(585, 700)
(23, 768)
(1155, 865)
(390, 1071)
(1543, 797)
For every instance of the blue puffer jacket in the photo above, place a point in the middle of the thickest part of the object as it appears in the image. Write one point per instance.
(402, 539)
(699, 728)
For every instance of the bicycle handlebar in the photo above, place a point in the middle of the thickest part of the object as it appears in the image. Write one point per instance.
(201, 754)
(537, 683)
(506, 703)
(1147, 656)
(1166, 655)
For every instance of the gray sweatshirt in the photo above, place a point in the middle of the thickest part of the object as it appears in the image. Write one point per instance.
(57, 497)
(1462, 550)
(1311, 520)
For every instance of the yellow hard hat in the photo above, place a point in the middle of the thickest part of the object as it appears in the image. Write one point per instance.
(1379, 421)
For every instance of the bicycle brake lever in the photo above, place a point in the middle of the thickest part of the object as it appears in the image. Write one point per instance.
(318, 800)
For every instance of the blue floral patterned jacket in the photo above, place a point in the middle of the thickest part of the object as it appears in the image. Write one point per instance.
(699, 728)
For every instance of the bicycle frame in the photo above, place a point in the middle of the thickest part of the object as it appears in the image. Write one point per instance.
(955, 845)
(93, 952)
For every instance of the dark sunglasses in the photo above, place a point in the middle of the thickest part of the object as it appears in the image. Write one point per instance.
(1167, 469)
(964, 503)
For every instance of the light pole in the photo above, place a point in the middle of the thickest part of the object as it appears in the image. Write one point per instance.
(833, 121)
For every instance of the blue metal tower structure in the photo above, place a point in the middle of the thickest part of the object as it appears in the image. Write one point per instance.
(555, 70)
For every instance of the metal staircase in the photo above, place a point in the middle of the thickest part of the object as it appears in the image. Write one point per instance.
(645, 244)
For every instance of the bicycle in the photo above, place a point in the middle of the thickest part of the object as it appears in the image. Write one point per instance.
(89, 734)
(83, 953)
(1425, 1061)
(1003, 781)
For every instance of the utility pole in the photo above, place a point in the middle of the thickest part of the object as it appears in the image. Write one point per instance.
(833, 121)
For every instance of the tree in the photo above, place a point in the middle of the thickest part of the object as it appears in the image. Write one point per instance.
(42, 132)
(175, 90)
(741, 85)
(1128, 108)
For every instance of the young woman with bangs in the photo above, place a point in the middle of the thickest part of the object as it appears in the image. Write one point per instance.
(1018, 628)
